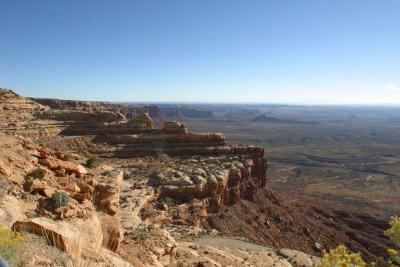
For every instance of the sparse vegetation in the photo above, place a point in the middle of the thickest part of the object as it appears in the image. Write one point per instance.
(37, 174)
(126, 176)
(92, 162)
(142, 236)
(60, 199)
(394, 235)
(11, 245)
(341, 256)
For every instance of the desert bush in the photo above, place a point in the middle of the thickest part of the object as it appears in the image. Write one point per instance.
(59, 199)
(394, 235)
(92, 162)
(341, 256)
(37, 174)
(11, 246)
(142, 236)
(126, 176)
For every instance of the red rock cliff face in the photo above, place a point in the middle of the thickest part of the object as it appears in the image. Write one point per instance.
(242, 183)
(217, 181)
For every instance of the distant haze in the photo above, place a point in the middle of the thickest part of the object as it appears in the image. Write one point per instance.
(225, 51)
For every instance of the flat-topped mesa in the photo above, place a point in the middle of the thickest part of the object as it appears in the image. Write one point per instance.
(128, 110)
(101, 123)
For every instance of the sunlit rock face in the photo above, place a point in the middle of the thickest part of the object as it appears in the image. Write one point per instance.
(219, 180)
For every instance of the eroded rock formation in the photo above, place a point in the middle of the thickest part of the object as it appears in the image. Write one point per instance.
(220, 180)
(128, 110)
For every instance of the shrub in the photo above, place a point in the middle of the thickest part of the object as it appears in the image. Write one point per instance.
(11, 246)
(37, 174)
(126, 176)
(341, 257)
(92, 162)
(142, 236)
(59, 199)
(394, 235)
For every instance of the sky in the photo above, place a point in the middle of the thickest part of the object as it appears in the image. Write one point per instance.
(220, 51)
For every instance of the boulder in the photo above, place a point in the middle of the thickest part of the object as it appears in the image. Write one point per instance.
(60, 234)
(85, 192)
(35, 186)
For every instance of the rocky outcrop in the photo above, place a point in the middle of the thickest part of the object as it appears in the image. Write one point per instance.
(144, 119)
(36, 186)
(219, 180)
(174, 127)
(107, 191)
(66, 167)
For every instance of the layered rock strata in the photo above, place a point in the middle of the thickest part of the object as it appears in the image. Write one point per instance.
(219, 180)
(128, 110)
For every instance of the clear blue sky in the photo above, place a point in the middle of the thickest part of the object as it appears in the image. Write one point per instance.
(294, 51)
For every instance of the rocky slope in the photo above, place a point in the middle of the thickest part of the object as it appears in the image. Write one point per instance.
(278, 221)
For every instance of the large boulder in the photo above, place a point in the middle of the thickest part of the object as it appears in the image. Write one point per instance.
(61, 234)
